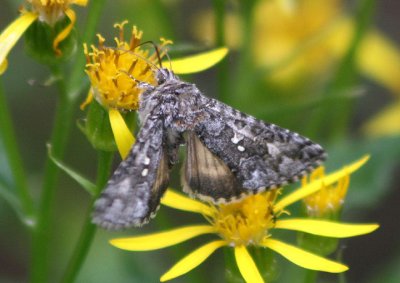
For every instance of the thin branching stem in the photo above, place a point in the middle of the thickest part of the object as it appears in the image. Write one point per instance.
(43, 229)
(88, 231)
(68, 98)
(223, 67)
(25, 202)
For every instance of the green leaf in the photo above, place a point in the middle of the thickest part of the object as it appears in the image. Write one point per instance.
(372, 182)
(97, 128)
(9, 196)
(85, 183)
(39, 39)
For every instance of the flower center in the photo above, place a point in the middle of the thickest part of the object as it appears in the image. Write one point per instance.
(115, 72)
(50, 11)
(328, 200)
(245, 222)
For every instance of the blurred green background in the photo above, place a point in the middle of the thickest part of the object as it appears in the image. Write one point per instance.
(329, 98)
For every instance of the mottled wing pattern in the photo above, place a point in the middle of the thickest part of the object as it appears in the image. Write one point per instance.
(205, 175)
(133, 193)
(259, 154)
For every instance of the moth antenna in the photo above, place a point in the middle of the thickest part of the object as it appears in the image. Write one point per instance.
(169, 60)
(139, 82)
(138, 56)
(151, 64)
(156, 49)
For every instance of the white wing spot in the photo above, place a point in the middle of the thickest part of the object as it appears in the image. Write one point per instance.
(144, 172)
(236, 138)
(240, 148)
(273, 150)
(146, 161)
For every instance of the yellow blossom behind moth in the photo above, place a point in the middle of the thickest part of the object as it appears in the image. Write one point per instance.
(229, 154)
(49, 12)
(111, 69)
(329, 200)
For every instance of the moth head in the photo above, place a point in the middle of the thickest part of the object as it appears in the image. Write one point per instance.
(163, 75)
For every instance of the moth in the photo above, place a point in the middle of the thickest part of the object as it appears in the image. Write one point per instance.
(229, 154)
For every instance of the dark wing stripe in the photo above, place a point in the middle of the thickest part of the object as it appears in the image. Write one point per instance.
(160, 184)
(206, 176)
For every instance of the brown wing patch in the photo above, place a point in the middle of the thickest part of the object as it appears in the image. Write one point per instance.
(206, 176)
(160, 183)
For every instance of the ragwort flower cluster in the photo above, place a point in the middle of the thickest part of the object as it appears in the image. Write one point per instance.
(251, 222)
(47, 11)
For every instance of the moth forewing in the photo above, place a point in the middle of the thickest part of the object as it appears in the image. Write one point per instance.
(260, 155)
(133, 193)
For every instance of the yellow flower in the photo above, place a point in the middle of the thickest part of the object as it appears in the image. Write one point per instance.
(303, 39)
(110, 70)
(328, 200)
(48, 11)
(386, 122)
(250, 222)
(114, 74)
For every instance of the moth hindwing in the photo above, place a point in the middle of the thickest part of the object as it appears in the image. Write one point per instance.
(229, 154)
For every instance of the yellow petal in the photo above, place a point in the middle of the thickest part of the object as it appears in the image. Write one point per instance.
(3, 66)
(88, 100)
(289, 6)
(303, 258)
(80, 2)
(326, 228)
(181, 202)
(246, 265)
(13, 32)
(161, 240)
(379, 59)
(192, 260)
(342, 32)
(122, 134)
(199, 62)
(317, 184)
(386, 122)
(65, 32)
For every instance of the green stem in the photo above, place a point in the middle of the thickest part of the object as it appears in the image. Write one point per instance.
(336, 115)
(85, 239)
(58, 141)
(232, 273)
(15, 162)
(223, 67)
(163, 17)
(339, 258)
(77, 78)
(61, 129)
(310, 276)
(363, 19)
(245, 72)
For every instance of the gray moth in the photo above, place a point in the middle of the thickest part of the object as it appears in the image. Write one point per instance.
(229, 154)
